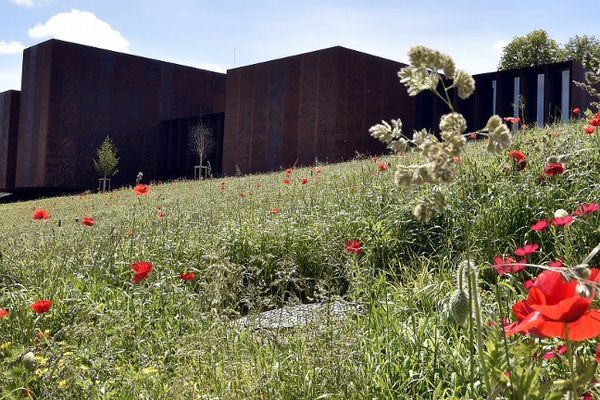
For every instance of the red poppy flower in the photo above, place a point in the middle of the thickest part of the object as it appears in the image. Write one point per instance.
(564, 221)
(587, 209)
(540, 225)
(528, 284)
(141, 190)
(554, 309)
(595, 121)
(186, 277)
(526, 250)
(589, 129)
(576, 110)
(242, 195)
(587, 396)
(3, 313)
(512, 120)
(562, 349)
(554, 169)
(318, 170)
(41, 306)
(508, 265)
(353, 247)
(288, 172)
(381, 166)
(222, 187)
(555, 264)
(304, 181)
(88, 221)
(159, 213)
(517, 155)
(40, 214)
(275, 210)
(141, 270)
(286, 181)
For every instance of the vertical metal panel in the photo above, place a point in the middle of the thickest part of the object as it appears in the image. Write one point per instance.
(565, 96)
(540, 100)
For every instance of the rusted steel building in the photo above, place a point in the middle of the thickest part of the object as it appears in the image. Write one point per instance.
(313, 106)
(266, 116)
(73, 96)
(9, 130)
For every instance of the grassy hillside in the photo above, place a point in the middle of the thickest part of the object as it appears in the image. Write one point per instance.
(256, 243)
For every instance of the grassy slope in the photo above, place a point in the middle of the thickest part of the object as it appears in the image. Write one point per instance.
(107, 338)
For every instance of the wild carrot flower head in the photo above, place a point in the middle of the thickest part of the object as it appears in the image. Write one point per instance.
(499, 137)
(41, 306)
(40, 214)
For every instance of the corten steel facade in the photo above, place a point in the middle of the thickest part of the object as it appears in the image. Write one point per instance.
(313, 106)
(267, 116)
(73, 96)
(9, 129)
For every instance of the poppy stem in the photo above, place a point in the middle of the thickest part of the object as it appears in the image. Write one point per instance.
(570, 356)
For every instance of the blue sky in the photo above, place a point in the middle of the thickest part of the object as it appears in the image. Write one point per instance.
(205, 33)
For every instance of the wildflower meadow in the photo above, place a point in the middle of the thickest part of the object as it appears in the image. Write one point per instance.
(471, 257)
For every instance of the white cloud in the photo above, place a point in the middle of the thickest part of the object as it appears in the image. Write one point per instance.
(11, 47)
(23, 3)
(499, 46)
(10, 78)
(81, 27)
(29, 3)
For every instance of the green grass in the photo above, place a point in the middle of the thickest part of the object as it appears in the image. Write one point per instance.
(162, 338)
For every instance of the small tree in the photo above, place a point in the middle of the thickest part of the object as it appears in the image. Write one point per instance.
(535, 48)
(201, 141)
(106, 164)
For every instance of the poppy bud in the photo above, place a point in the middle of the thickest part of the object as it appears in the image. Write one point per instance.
(583, 290)
(458, 307)
(28, 360)
(560, 213)
(582, 271)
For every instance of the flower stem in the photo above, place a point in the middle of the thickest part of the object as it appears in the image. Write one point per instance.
(570, 356)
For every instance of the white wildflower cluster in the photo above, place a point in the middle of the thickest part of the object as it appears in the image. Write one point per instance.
(498, 134)
(424, 71)
(391, 135)
(430, 206)
(440, 152)
(559, 159)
